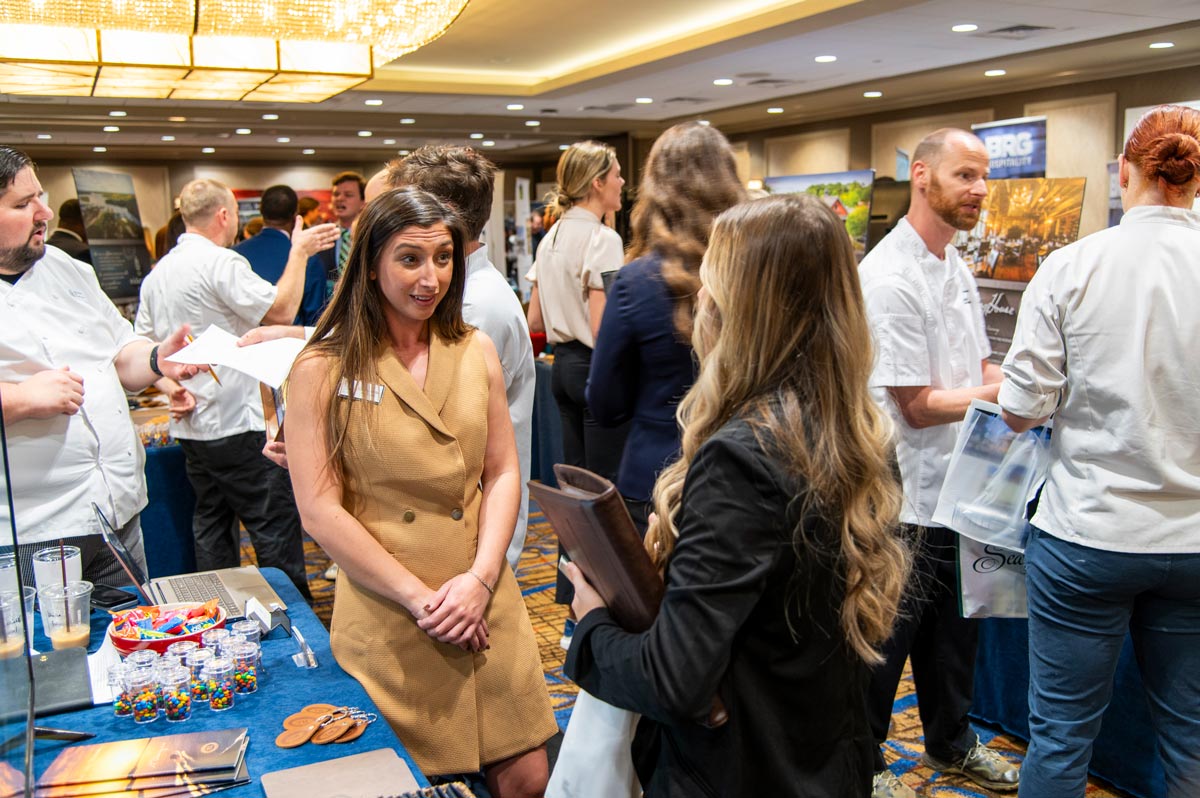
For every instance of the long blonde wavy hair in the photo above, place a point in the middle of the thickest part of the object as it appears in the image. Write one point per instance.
(783, 341)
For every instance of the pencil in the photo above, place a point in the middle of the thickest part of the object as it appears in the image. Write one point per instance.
(211, 370)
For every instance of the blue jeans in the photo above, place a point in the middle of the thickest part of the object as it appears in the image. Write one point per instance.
(1082, 602)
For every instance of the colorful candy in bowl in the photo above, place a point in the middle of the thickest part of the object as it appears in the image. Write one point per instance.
(158, 626)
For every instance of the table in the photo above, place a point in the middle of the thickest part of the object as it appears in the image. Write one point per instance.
(167, 519)
(285, 689)
(1124, 751)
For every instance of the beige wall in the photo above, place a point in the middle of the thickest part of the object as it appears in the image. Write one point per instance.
(741, 157)
(808, 153)
(1079, 143)
(905, 134)
(149, 186)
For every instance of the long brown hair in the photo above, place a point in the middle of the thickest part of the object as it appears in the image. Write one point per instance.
(689, 178)
(783, 341)
(352, 331)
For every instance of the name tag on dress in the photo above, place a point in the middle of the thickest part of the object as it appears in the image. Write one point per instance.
(374, 393)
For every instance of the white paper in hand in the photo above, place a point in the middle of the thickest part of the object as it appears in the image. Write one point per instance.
(268, 362)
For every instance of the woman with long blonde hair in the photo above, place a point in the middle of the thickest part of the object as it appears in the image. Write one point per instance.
(774, 529)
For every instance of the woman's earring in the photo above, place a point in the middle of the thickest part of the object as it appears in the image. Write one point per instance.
(371, 275)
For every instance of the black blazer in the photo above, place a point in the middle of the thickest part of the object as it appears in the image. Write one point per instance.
(742, 617)
(640, 370)
(71, 245)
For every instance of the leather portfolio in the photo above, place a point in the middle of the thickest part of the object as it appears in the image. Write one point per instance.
(595, 529)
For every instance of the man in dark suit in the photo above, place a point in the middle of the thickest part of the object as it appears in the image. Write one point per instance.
(268, 251)
(347, 201)
(70, 236)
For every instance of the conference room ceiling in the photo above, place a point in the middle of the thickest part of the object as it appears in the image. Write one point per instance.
(579, 69)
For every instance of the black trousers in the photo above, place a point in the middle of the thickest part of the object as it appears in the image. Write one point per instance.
(234, 481)
(100, 567)
(585, 443)
(941, 644)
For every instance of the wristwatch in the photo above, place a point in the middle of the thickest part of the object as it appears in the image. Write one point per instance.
(154, 361)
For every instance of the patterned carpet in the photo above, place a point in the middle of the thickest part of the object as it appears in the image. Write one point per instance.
(536, 576)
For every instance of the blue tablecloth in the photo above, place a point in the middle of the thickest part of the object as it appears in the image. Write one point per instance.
(167, 519)
(1124, 751)
(547, 428)
(284, 690)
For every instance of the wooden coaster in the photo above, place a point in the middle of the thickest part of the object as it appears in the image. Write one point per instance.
(317, 709)
(332, 731)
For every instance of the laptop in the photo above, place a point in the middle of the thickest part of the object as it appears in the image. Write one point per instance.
(231, 587)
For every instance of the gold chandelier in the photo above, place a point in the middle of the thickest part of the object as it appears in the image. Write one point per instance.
(255, 50)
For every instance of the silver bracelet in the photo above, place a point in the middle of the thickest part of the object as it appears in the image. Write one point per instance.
(486, 586)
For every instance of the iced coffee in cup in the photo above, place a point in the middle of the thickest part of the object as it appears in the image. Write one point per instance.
(12, 630)
(66, 614)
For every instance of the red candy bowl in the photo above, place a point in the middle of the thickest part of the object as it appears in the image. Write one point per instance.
(126, 646)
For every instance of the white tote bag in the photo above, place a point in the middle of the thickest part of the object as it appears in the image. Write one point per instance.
(594, 761)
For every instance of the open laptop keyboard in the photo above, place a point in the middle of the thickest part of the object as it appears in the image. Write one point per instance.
(204, 587)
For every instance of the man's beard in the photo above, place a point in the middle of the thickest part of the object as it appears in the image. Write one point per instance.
(948, 210)
(18, 260)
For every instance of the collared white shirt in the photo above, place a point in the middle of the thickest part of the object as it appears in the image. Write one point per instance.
(575, 252)
(927, 329)
(490, 304)
(56, 316)
(200, 283)
(1107, 336)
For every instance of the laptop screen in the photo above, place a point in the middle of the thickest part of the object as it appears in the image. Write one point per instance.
(123, 556)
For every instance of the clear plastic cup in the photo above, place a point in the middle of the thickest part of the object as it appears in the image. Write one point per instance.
(67, 614)
(48, 566)
(8, 573)
(12, 628)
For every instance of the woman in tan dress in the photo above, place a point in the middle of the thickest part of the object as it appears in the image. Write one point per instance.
(405, 471)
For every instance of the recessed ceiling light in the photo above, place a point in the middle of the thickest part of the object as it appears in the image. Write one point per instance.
(964, 27)
(564, 147)
(775, 110)
(176, 118)
(532, 123)
(404, 152)
(704, 122)
(476, 135)
(168, 138)
(284, 140)
(365, 134)
(117, 113)
(723, 82)
(372, 102)
(825, 59)
(208, 150)
(111, 129)
(1162, 45)
(872, 94)
(994, 73)
(309, 151)
(644, 100)
(243, 131)
(270, 117)
(44, 136)
(515, 107)
(389, 141)
(489, 143)
(408, 120)
(99, 149)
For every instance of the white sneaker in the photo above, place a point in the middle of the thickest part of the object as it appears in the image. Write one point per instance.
(331, 572)
(887, 784)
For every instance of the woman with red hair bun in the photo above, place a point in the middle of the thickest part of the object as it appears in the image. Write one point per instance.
(1105, 341)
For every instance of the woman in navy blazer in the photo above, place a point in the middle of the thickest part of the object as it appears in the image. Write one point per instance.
(642, 364)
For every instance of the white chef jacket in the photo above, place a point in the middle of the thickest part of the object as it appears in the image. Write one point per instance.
(1107, 337)
(200, 283)
(927, 329)
(56, 315)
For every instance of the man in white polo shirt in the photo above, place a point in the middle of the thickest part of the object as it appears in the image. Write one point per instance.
(66, 359)
(201, 282)
(930, 362)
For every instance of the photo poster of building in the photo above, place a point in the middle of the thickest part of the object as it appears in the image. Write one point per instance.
(1016, 147)
(114, 231)
(847, 194)
(1023, 220)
